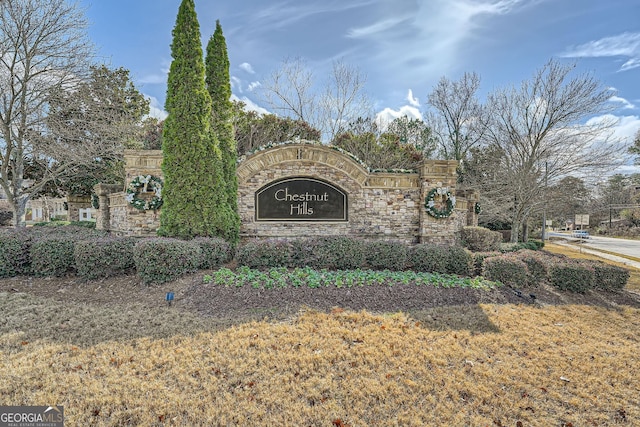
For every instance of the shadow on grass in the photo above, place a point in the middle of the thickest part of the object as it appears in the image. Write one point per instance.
(463, 317)
(37, 318)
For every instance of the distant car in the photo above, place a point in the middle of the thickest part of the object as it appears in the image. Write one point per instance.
(580, 234)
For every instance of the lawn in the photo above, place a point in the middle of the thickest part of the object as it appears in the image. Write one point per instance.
(520, 365)
(113, 353)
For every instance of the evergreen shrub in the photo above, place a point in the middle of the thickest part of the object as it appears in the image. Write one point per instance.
(265, 253)
(429, 258)
(533, 245)
(338, 253)
(480, 239)
(459, 261)
(104, 257)
(507, 269)
(383, 255)
(571, 275)
(537, 263)
(160, 260)
(5, 217)
(215, 251)
(85, 224)
(14, 252)
(53, 255)
(51, 223)
(609, 277)
(478, 260)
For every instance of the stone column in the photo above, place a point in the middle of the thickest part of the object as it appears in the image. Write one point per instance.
(103, 217)
(434, 174)
(76, 203)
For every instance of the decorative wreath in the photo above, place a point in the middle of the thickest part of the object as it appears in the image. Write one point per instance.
(476, 208)
(439, 202)
(145, 184)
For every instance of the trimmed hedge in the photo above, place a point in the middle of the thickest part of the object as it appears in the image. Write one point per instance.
(574, 276)
(265, 254)
(429, 258)
(160, 260)
(383, 255)
(14, 253)
(609, 277)
(332, 253)
(104, 257)
(337, 253)
(537, 263)
(459, 261)
(507, 269)
(53, 256)
(478, 260)
(533, 245)
(480, 239)
(215, 251)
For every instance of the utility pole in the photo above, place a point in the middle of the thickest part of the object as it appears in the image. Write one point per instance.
(544, 206)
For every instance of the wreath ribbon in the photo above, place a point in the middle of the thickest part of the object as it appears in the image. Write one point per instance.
(449, 201)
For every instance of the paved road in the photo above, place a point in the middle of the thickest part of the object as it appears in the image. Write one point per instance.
(619, 246)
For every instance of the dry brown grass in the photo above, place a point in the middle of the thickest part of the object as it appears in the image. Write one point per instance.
(561, 365)
(575, 252)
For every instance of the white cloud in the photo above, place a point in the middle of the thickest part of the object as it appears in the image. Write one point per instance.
(625, 45)
(626, 105)
(284, 13)
(246, 67)
(623, 130)
(153, 79)
(253, 85)
(386, 116)
(427, 37)
(377, 27)
(250, 105)
(413, 101)
(630, 64)
(236, 84)
(157, 113)
(155, 109)
(156, 78)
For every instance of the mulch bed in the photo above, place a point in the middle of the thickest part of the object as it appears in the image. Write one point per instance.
(224, 302)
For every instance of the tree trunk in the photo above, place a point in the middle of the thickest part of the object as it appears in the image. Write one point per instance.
(515, 228)
(19, 206)
(525, 231)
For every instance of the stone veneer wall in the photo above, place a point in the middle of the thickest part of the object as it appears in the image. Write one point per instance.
(120, 217)
(385, 206)
(75, 203)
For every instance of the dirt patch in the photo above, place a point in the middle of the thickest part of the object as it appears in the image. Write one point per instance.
(192, 295)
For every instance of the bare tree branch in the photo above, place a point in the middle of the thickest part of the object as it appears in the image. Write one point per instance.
(329, 106)
(551, 127)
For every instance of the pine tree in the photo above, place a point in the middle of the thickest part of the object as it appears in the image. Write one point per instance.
(193, 190)
(219, 87)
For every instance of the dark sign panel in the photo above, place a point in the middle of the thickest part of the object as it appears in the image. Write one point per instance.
(301, 199)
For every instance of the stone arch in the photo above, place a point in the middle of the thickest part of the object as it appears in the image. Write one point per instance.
(301, 153)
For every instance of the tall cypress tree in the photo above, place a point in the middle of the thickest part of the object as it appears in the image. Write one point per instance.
(219, 86)
(193, 190)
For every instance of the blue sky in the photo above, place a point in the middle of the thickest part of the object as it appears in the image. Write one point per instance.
(403, 47)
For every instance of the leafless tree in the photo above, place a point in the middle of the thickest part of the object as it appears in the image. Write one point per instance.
(44, 50)
(294, 91)
(456, 117)
(552, 126)
(635, 148)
